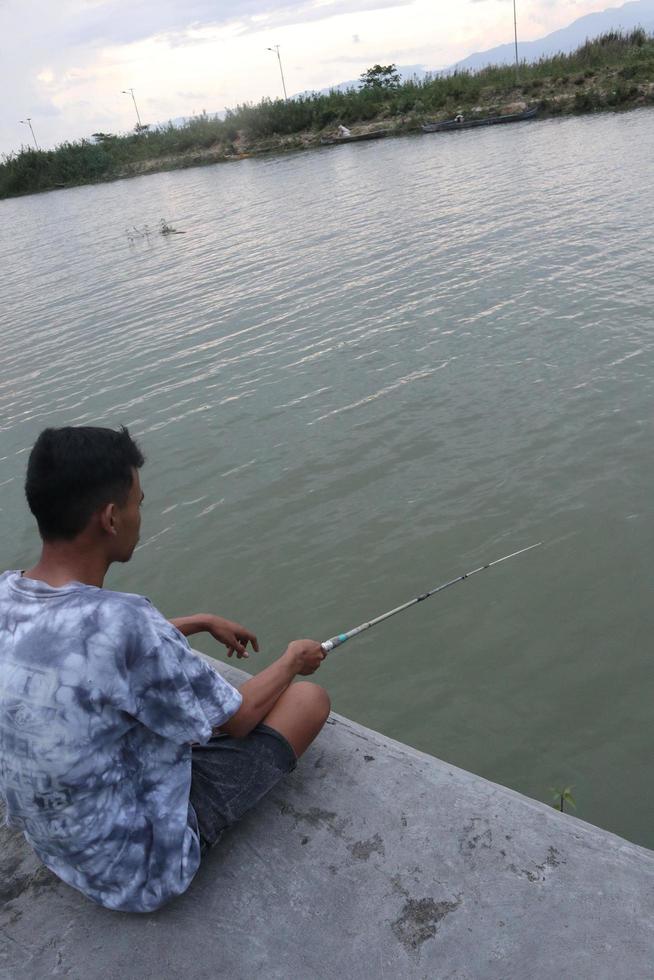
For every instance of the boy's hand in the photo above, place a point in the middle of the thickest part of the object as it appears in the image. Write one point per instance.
(305, 656)
(234, 636)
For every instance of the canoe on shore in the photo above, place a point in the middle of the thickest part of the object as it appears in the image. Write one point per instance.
(334, 140)
(451, 125)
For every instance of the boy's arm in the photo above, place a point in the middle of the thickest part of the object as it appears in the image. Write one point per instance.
(234, 636)
(261, 693)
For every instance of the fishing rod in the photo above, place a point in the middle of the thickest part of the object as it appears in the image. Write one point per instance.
(337, 641)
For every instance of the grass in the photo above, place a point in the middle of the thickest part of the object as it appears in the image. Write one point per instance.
(613, 71)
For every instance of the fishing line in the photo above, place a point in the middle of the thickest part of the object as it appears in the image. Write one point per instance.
(337, 641)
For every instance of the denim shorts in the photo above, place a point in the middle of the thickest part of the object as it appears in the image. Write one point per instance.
(230, 775)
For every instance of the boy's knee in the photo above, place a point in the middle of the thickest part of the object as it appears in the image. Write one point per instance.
(313, 698)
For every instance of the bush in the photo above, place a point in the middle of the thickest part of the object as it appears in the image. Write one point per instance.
(550, 107)
(587, 101)
(621, 94)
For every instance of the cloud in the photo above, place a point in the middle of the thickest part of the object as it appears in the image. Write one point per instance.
(117, 22)
(188, 38)
(44, 110)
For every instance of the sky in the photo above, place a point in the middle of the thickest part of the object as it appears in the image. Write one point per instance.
(65, 63)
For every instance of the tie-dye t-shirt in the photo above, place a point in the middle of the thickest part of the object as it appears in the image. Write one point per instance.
(100, 698)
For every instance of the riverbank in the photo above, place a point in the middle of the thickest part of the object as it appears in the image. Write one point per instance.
(582, 101)
(612, 72)
(371, 860)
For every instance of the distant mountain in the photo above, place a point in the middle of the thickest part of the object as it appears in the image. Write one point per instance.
(638, 13)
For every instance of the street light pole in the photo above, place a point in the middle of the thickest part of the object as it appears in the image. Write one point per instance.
(275, 48)
(28, 122)
(515, 30)
(130, 91)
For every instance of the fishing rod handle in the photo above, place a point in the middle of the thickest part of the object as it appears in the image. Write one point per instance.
(335, 641)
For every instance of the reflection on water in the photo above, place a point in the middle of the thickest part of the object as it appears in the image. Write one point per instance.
(360, 372)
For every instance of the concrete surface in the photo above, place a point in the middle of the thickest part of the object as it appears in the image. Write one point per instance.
(372, 860)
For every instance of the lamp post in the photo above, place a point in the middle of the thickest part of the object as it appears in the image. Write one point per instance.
(275, 48)
(515, 31)
(130, 91)
(28, 122)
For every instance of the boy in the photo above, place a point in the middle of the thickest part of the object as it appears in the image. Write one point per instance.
(123, 754)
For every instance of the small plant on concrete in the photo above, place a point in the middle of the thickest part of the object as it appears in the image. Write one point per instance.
(562, 795)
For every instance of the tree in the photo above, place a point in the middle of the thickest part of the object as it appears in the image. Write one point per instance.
(381, 76)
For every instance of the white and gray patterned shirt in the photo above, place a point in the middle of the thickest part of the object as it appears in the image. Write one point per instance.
(100, 698)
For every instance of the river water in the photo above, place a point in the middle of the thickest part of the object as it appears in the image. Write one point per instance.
(361, 372)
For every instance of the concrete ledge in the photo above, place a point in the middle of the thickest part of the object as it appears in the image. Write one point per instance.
(372, 860)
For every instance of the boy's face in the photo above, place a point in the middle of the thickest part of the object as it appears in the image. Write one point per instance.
(129, 521)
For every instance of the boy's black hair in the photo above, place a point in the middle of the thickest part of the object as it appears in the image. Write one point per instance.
(73, 471)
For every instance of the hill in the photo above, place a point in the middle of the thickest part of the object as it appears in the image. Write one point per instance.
(638, 13)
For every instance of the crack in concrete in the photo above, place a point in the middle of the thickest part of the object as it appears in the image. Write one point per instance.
(362, 849)
(540, 872)
(419, 920)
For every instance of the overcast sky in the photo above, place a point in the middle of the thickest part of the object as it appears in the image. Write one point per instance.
(64, 62)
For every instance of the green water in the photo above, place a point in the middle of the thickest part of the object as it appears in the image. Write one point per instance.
(361, 372)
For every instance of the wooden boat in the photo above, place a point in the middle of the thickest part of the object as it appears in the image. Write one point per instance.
(334, 140)
(451, 125)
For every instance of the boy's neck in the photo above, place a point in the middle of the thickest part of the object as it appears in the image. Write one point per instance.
(62, 562)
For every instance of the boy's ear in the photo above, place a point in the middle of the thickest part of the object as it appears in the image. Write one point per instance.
(108, 521)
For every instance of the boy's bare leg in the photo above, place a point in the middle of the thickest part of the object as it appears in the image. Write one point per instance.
(299, 714)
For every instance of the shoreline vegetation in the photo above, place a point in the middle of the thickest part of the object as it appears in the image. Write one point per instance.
(612, 72)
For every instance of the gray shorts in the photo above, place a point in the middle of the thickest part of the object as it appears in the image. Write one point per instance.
(230, 775)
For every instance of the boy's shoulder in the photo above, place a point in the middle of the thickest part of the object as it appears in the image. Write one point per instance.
(127, 606)
(19, 592)
(131, 607)
(125, 600)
